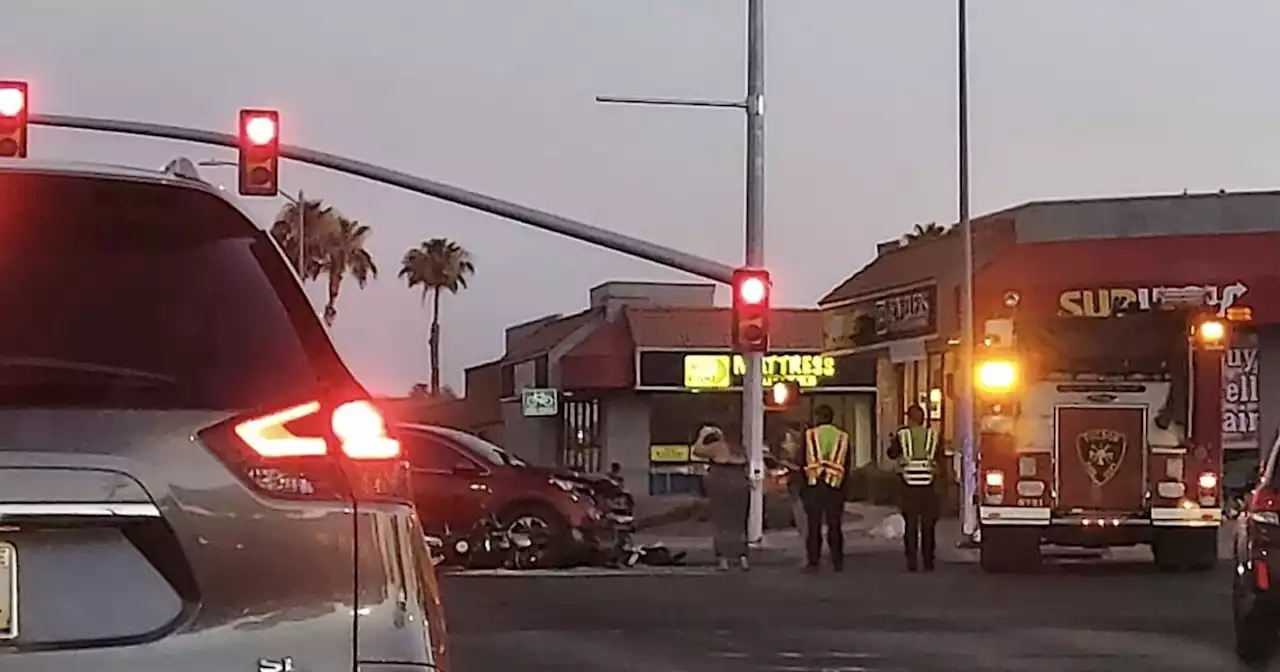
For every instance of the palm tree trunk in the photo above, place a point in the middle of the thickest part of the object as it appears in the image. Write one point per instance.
(330, 308)
(433, 345)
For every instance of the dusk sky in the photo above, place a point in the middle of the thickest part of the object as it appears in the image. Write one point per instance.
(1069, 99)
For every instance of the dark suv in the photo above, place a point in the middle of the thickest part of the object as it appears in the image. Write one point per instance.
(190, 478)
(1255, 594)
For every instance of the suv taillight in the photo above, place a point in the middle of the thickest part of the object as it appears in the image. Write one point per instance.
(314, 451)
(1264, 507)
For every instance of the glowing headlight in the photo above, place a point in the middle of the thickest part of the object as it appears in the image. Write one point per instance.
(997, 375)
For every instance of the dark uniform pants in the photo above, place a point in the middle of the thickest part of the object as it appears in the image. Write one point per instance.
(823, 507)
(920, 512)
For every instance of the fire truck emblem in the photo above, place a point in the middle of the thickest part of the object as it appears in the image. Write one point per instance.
(1101, 451)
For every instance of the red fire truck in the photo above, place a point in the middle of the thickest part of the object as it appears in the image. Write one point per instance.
(1102, 432)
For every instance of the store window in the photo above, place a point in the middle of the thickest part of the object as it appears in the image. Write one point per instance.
(674, 419)
(580, 435)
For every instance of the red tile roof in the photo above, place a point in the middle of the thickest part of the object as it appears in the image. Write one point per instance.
(923, 261)
(605, 359)
(790, 329)
(549, 335)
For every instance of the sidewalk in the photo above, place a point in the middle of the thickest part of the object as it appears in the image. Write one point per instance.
(864, 533)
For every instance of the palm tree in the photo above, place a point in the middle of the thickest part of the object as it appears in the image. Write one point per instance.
(924, 232)
(434, 265)
(341, 252)
(319, 220)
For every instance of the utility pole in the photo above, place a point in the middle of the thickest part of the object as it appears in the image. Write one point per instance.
(969, 479)
(753, 105)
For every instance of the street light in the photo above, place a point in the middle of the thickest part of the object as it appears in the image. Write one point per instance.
(298, 206)
(753, 106)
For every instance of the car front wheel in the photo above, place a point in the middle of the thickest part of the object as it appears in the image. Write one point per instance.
(546, 530)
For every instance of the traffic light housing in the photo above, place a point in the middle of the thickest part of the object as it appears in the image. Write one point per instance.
(13, 120)
(259, 152)
(751, 290)
(781, 395)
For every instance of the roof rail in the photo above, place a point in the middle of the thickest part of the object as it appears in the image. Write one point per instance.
(184, 168)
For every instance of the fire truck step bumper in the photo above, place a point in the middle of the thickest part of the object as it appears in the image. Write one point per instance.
(1014, 515)
(1186, 517)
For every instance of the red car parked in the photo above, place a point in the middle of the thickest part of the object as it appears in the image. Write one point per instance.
(459, 478)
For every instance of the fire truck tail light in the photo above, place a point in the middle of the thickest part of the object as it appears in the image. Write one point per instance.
(1208, 481)
(1030, 488)
(993, 490)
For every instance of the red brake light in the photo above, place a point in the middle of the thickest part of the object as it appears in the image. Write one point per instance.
(314, 451)
(363, 432)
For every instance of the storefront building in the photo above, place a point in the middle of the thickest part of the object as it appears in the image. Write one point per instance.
(1083, 258)
(635, 375)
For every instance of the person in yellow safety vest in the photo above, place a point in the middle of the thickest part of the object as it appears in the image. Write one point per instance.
(915, 449)
(825, 462)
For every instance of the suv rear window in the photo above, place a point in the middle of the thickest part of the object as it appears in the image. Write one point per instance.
(117, 293)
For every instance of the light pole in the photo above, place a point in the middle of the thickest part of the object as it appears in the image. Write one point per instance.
(753, 105)
(969, 451)
(299, 206)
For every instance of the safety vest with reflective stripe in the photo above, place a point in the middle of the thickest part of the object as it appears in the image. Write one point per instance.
(824, 460)
(917, 461)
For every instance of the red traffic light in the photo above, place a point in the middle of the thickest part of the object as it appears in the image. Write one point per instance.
(259, 152)
(13, 119)
(751, 288)
(260, 130)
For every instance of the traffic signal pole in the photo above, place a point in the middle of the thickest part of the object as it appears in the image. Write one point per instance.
(753, 105)
(539, 219)
(753, 381)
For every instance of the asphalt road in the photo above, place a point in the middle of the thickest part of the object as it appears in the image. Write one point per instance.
(1089, 616)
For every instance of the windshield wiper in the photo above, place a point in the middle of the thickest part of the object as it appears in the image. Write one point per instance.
(107, 370)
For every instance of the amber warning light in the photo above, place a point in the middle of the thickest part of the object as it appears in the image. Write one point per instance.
(13, 120)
